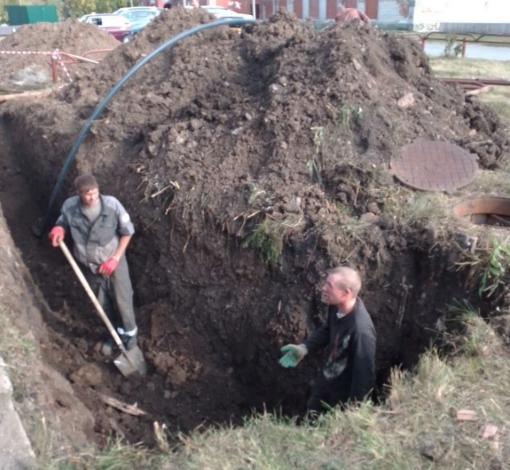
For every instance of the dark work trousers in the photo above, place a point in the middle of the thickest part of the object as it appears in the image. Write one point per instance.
(115, 294)
(323, 391)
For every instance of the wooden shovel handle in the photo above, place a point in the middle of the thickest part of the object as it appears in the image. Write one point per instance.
(91, 295)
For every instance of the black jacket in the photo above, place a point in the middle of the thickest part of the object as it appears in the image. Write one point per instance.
(350, 365)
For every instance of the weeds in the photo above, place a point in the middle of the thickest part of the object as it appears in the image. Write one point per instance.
(255, 193)
(351, 226)
(488, 266)
(410, 207)
(314, 170)
(269, 237)
(452, 48)
(116, 455)
(347, 114)
(318, 138)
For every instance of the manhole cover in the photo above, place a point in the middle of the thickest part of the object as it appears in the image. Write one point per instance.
(434, 166)
(485, 211)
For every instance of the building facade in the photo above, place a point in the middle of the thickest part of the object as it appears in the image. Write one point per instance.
(477, 16)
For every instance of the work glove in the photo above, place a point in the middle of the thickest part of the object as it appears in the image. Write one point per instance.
(56, 235)
(108, 266)
(293, 355)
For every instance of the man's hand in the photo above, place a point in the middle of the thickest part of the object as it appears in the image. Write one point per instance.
(293, 355)
(108, 266)
(56, 235)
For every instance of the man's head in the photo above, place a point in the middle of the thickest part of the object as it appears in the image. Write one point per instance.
(87, 188)
(342, 286)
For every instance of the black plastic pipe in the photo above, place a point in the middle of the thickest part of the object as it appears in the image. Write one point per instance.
(112, 93)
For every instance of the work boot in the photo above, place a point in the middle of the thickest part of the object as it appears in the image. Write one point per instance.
(107, 347)
(129, 341)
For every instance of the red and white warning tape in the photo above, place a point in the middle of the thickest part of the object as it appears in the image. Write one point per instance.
(57, 57)
(54, 55)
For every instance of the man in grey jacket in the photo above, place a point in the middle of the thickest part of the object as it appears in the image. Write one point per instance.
(101, 230)
(349, 370)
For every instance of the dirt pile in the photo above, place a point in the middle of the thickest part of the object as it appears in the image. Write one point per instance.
(245, 161)
(33, 70)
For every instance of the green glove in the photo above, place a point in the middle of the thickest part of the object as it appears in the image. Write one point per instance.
(293, 355)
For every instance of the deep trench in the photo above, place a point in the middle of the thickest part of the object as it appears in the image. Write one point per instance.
(201, 374)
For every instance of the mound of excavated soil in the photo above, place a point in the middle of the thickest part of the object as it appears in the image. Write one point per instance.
(221, 148)
(33, 71)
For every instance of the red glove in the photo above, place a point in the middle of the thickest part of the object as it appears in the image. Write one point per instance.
(56, 235)
(108, 266)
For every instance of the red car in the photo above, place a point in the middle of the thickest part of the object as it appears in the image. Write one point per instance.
(116, 25)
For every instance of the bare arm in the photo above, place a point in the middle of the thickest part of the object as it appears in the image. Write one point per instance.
(123, 244)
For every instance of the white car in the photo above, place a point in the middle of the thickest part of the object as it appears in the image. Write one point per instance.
(222, 13)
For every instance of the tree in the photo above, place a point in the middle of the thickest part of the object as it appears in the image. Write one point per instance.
(77, 8)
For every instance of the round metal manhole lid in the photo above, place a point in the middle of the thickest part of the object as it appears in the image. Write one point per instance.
(434, 166)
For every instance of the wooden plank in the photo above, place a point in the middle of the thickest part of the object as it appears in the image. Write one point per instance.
(121, 406)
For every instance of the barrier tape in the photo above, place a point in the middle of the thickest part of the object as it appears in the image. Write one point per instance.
(57, 57)
(54, 55)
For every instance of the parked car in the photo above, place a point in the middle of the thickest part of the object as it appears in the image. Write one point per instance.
(139, 17)
(133, 32)
(139, 14)
(116, 25)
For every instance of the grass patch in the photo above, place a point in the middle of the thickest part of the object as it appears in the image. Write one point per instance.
(115, 456)
(499, 97)
(269, 236)
(487, 267)
(417, 428)
(350, 226)
(410, 207)
(470, 68)
(489, 183)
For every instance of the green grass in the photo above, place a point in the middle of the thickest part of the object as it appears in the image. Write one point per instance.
(470, 68)
(268, 237)
(487, 266)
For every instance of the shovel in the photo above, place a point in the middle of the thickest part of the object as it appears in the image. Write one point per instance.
(129, 361)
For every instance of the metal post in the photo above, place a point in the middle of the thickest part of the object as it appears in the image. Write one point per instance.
(423, 42)
(254, 9)
(464, 43)
(54, 75)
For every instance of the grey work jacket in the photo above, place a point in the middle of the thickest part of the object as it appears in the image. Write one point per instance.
(95, 243)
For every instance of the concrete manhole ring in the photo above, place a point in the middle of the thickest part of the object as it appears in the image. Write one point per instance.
(493, 211)
(434, 166)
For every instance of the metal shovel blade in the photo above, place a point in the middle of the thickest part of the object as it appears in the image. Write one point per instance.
(131, 361)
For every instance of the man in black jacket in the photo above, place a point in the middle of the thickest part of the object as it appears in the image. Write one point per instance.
(349, 370)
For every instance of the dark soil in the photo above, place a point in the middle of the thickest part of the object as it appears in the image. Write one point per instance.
(224, 149)
(19, 72)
